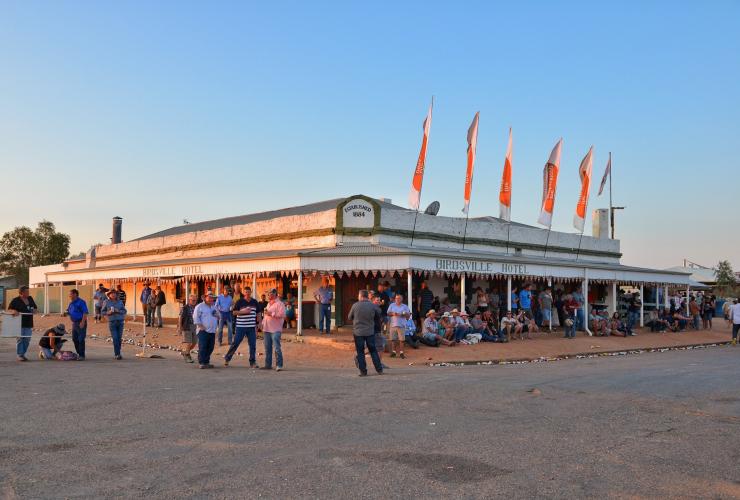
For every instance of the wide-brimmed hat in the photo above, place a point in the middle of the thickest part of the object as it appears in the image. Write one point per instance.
(464, 313)
(115, 292)
(60, 329)
(446, 314)
(430, 312)
(455, 311)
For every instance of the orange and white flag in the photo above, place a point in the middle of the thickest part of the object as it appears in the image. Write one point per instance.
(549, 185)
(415, 193)
(584, 171)
(504, 196)
(472, 144)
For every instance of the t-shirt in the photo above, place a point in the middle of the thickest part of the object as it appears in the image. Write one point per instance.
(26, 310)
(546, 300)
(525, 299)
(635, 304)
(514, 298)
(427, 297)
(399, 320)
(246, 320)
(76, 309)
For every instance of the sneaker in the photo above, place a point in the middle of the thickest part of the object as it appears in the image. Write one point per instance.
(734, 342)
(41, 356)
(118, 357)
(189, 359)
(362, 374)
(202, 367)
(402, 355)
(81, 358)
(278, 368)
(226, 362)
(254, 366)
(380, 372)
(393, 354)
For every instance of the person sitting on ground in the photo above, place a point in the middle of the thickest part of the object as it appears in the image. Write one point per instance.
(481, 327)
(599, 325)
(660, 322)
(490, 321)
(51, 343)
(681, 320)
(412, 339)
(523, 323)
(617, 326)
(430, 332)
(509, 326)
(463, 327)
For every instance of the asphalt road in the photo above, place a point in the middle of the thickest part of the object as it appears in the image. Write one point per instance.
(650, 425)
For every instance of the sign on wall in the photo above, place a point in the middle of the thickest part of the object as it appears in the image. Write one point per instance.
(358, 213)
(481, 267)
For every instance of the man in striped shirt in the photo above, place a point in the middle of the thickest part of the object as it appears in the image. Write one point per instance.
(246, 310)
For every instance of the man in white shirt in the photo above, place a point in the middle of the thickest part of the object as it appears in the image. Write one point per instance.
(205, 318)
(735, 317)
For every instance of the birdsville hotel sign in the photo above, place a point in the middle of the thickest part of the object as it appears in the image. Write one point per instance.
(478, 267)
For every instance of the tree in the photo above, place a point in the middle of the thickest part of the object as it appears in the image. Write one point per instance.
(726, 280)
(22, 248)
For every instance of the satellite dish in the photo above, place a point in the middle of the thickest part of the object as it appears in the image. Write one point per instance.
(433, 208)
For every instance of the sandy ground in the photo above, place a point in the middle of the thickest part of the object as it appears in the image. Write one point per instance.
(336, 350)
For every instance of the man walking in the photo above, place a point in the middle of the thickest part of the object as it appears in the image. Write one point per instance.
(98, 299)
(144, 299)
(77, 311)
(272, 328)
(115, 312)
(398, 314)
(186, 325)
(324, 295)
(205, 318)
(245, 310)
(364, 315)
(223, 307)
(24, 305)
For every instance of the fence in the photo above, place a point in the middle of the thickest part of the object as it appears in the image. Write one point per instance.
(58, 297)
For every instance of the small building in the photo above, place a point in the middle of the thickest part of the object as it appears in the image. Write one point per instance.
(356, 242)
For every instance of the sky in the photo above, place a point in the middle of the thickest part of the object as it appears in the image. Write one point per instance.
(162, 111)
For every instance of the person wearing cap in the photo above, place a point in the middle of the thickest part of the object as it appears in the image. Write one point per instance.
(114, 310)
(77, 311)
(205, 318)
(24, 305)
(324, 295)
(364, 316)
(51, 342)
(273, 317)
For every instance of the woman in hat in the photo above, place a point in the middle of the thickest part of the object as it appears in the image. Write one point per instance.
(51, 342)
(114, 310)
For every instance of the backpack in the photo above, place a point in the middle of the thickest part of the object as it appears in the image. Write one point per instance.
(67, 356)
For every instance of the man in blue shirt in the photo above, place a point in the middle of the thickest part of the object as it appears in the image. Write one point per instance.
(223, 307)
(145, 293)
(525, 299)
(77, 311)
(114, 310)
(324, 295)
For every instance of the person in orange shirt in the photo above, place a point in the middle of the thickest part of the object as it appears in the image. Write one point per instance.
(273, 317)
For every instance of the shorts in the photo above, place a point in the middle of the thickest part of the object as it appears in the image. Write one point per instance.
(398, 333)
(190, 336)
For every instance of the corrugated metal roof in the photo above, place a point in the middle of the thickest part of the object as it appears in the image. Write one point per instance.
(239, 220)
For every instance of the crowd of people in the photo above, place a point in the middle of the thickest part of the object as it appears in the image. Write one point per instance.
(378, 317)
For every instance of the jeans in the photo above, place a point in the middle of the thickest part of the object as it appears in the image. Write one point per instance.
(697, 320)
(158, 310)
(570, 331)
(360, 343)
(47, 353)
(735, 330)
(273, 338)
(241, 332)
(461, 332)
(633, 319)
(78, 337)
(22, 342)
(206, 344)
(324, 318)
(116, 332)
(580, 323)
(225, 319)
(148, 314)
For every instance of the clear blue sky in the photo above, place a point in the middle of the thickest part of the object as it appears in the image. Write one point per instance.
(159, 111)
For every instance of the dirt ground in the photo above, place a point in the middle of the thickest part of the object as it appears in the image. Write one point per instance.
(336, 350)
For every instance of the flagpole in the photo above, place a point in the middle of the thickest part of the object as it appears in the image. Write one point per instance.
(547, 241)
(416, 215)
(508, 237)
(465, 233)
(611, 207)
(578, 253)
